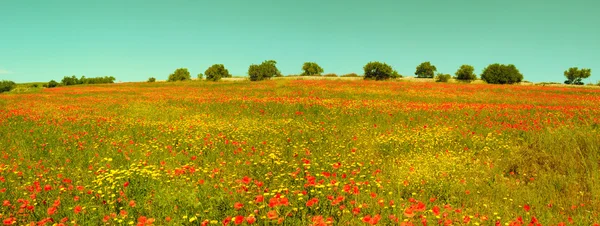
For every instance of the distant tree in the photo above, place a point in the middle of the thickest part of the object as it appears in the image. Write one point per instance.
(350, 75)
(501, 74)
(425, 70)
(200, 75)
(395, 75)
(465, 73)
(440, 77)
(575, 75)
(52, 84)
(69, 81)
(311, 69)
(151, 79)
(330, 75)
(265, 70)
(378, 71)
(6, 86)
(216, 72)
(181, 74)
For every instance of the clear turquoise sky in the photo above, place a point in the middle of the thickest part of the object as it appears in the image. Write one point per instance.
(133, 40)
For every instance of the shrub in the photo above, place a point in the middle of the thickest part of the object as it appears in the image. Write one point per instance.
(6, 86)
(311, 69)
(465, 73)
(501, 74)
(350, 75)
(378, 71)
(151, 79)
(216, 72)
(265, 70)
(442, 77)
(200, 75)
(181, 74)
(395, 75)
(52, 84)
(425, 70)
(575, 75)
(330, 75)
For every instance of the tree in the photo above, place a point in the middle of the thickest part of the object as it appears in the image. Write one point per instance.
(378, 71)
(6, 86)
(311, 69)
(69, 81)
(52, 84)
(216, 72)
(465, 73)
(151, 79)
(575, 75)
(501, 74)
(200, 75)
(265, 70)
(441, 77)
(425, 70)
(181, 74)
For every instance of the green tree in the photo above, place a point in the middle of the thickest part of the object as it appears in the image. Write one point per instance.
(181, 74)
(69, 81)
(216, 72)
(378, 71)
(311, 69)
(425, 70)
(151, 79)
(575, 75)
(440, 77)
(465, 73)
(52, 84)
(265, 70)
(200, 76)
(501, 74)
(6, 86)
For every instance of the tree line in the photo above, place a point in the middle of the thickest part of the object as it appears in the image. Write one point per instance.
(493, 74)
(73, 80)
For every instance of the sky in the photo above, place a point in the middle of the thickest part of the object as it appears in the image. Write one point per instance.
(134, 40)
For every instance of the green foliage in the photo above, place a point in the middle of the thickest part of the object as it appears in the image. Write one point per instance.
(378, 71)
(6, 86)
(466, 73)
(396, 75)
(330, 75)
(501, 74)
(52, 84)
(181, 74)
(575, 75)
(216, 72)
(350, 75)
(425, 70)
(265, 70)
(311, 69)
(200, 76)
(440, 77)
(69, 81)
(151, 79)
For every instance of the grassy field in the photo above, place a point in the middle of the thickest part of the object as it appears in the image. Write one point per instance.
(300, 152)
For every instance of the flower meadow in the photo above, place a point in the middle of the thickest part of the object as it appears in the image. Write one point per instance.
(300, 152)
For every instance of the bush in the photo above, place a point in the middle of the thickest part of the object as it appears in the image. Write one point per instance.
(151, 79)
(69, 81)
(216, 72)
(181, 74)
(442, 77)
(265, 70)
(425, 70)
(200, 75)
(311, 69)
(6, 86)
(501, 74)
(330, 75)
(350, 75)
(575, 75)
(52, 84)
(378, 71)
(465, 73)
